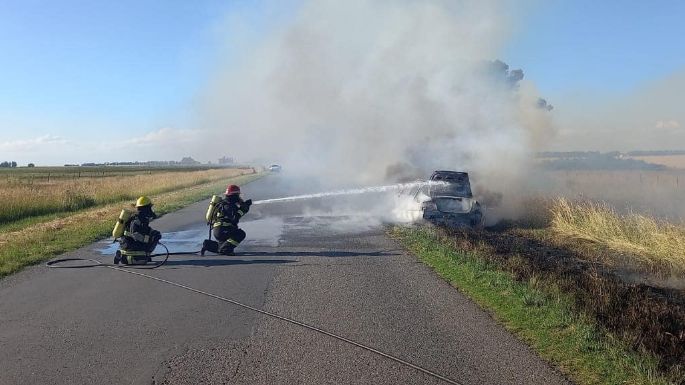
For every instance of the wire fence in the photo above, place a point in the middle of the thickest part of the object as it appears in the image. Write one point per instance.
(28, 176)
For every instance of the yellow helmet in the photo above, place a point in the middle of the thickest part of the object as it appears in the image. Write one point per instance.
(143, 201)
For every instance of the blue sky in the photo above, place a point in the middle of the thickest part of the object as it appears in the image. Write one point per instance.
(113, 69)
(107, 64)
(110, 64)
(607, 46)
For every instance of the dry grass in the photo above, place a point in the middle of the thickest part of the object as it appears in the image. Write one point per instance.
(654, 193)
(24, 199)
(672, 161)
(655, 245)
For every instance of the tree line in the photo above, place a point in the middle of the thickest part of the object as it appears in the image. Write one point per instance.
(13, 164)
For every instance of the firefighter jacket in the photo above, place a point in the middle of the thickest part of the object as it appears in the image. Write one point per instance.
(138, 234)
(228, 213)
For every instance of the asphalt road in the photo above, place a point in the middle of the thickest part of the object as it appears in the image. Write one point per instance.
(308, 262)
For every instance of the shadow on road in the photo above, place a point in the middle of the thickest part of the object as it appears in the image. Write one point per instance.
(223, 262)
(209, 262)
(327, 254)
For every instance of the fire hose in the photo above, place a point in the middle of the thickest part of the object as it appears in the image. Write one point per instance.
(55, 263)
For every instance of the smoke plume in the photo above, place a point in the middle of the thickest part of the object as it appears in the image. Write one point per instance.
(376, 91)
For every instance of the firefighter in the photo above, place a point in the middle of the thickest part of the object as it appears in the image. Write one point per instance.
(139, 239)
(228, 212)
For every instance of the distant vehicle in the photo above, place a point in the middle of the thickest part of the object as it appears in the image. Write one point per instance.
(447, 200)
(275, 168)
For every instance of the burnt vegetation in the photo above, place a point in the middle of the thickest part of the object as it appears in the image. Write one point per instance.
(649, 318)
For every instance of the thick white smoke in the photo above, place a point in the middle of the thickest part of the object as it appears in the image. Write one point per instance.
(372, 91)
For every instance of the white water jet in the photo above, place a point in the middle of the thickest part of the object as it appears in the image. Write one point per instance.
(399, 188)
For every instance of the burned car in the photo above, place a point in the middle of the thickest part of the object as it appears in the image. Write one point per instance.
(447, 200)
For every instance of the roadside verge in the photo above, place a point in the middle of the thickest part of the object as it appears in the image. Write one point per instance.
(536, 311)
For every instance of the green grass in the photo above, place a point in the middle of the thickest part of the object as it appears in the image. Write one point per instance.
(33, 245)
(538, 313)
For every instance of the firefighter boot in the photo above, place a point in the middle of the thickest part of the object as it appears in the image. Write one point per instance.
(209, 245)
(227, 248)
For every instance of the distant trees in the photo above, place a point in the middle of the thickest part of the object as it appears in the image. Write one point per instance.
(7, 164)
(31, 165)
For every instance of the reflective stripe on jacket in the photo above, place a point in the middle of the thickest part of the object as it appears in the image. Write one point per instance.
(139, 229)
(227, 214)
(138, 237)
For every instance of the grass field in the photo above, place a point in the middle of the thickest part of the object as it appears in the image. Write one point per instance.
(672, 161)
(46, 174)
(27, 195)
(654, 193)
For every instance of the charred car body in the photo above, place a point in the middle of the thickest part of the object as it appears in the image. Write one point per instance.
(447, 200)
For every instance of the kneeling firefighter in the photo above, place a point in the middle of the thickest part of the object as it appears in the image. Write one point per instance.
(137, 240)
(223, 215)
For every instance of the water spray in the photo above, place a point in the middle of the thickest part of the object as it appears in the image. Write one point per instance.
(399, 187)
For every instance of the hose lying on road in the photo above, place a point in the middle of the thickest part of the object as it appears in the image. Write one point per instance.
(127, 269)
(57, 263)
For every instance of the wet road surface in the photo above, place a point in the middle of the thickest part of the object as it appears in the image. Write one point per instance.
(339, 273)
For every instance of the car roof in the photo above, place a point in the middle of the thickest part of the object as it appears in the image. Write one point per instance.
(458, 175)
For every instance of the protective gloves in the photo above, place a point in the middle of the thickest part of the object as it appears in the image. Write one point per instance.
(245, 205)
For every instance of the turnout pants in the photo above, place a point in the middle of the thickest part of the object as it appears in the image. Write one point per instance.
(228, 237)
(134, 252)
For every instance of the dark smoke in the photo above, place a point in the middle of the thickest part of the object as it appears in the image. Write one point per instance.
(542, 103)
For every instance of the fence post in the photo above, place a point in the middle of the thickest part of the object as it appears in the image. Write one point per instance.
(48, 177)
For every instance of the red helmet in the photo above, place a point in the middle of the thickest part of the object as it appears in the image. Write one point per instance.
(232, 190)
